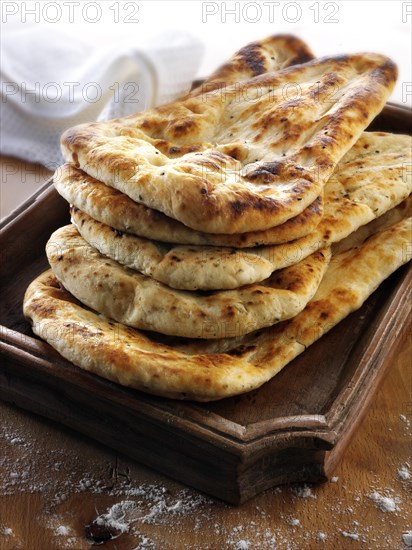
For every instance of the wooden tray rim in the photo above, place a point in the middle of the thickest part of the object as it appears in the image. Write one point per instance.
(325, 428)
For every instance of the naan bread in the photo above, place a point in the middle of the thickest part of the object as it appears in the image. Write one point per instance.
(178, 266)
(139, 301)
(269, 55)
(384, 222)
(369, 181)
(244, 158)
(402, 215)
(133, 359)
(117, 210)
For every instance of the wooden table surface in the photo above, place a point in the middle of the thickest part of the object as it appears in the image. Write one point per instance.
(60, 490)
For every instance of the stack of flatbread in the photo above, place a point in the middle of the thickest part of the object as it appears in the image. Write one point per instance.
(215, 238)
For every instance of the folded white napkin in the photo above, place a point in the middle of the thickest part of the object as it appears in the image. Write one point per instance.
(50, 82)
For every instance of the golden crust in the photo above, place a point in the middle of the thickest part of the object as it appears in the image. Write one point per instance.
(113, 208)
(234, 163)
(269, 55)
(134, 359)
(139, 301)
(244, 158)
(369, 181)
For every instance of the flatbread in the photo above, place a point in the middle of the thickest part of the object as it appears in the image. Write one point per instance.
(117, 210)
(269, 55)
(384, 222)
(133, 359)
(353, 242)
(244, 158)
(369, 181)
(139, 301)
(178, 266)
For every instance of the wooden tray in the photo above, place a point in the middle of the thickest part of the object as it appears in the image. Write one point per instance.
(294, 428)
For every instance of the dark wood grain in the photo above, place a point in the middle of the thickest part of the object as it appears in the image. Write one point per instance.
(294, 428)
(393, 118)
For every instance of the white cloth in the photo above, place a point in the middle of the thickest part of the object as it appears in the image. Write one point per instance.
(51, 82)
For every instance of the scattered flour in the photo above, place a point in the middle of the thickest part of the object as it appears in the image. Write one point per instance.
(303, 491)
(404, 473)
(385, 504)
(353, 536)
(139, 504)
(115, 517)
(407, 538)
(17, 441)
(145, 543)
(405, 420)
(62, 531)
(154, 505)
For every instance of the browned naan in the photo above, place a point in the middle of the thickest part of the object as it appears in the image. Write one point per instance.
(243, 158)
(368, 181)
(111, 207)
(262, 56)
(139, 301)
(134, 359)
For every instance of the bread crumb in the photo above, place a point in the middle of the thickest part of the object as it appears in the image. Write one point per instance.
(334, 479)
